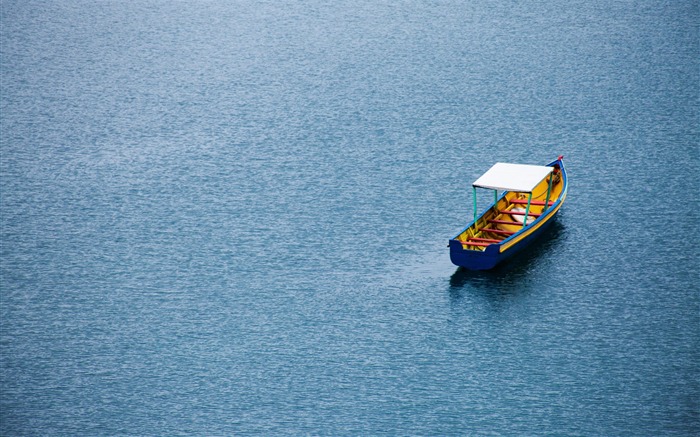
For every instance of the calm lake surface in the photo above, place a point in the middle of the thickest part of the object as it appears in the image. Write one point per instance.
(231, 218)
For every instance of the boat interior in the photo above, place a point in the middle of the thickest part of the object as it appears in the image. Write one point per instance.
(507, 216)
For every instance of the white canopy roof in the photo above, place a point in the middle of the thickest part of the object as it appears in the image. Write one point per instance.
(513, 177)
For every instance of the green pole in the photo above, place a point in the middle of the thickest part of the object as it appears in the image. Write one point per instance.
(527, 210)
(549, 191)
(474, 193)
(495, 197)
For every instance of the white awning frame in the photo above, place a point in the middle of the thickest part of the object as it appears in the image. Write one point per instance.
(513, 177)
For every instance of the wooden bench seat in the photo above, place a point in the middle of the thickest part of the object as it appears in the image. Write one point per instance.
(505, 211)
(534, 202)
(475, 243)
(485, 240)
(497, 231)
(505, 222)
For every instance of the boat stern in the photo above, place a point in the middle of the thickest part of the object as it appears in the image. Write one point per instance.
(474, 259)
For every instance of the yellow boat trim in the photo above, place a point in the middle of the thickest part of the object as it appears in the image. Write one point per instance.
(530, 230)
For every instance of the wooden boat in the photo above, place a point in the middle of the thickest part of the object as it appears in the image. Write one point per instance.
(531, 198)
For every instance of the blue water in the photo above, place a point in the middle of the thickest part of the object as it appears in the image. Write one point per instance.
(231, 218)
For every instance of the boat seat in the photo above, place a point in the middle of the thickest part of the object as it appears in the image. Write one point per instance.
(496, 231)
(475, 243)
(485, 240)
(534, 202)
(506, 222)
(517, 212)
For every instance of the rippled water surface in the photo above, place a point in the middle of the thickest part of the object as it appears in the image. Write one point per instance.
(231, 218)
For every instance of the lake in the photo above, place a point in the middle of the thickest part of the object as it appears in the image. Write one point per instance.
(231, 218)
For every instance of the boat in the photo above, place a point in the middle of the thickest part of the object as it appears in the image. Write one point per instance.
(530, 199)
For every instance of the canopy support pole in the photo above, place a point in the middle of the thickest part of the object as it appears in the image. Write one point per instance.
(474, 193)
(527, 210)
(495, 197)
(549, 192)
